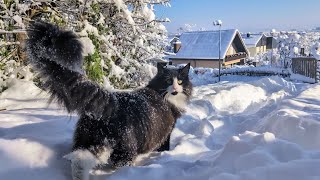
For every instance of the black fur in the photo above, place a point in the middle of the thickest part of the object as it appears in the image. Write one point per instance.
(130, 123)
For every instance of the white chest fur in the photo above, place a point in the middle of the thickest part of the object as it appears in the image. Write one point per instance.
(180, 99)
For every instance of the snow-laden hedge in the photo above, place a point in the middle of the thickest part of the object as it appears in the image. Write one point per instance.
(119, 36)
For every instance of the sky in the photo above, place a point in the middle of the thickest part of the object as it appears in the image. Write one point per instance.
(245, 15)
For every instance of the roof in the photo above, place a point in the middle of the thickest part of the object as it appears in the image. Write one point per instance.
(252, 40)
(204, 44)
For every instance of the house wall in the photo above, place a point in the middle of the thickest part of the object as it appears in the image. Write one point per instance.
(261, 49)
(229, 64)
(252, 51)
(206, 63)
(271, 43)
(232, 49)
(197, 63)
(255, 50)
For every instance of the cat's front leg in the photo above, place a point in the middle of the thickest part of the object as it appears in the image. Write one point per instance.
(122, 157)
(165, 146)
(82, 161)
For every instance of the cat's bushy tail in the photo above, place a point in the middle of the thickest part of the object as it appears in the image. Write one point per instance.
(57, 56)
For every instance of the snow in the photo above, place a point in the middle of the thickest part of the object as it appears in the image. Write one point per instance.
(148, 13)
(315, 50)
(88, 28)
(238, 99)
(242, 128)
(18, 19)
(33, 135)
(202, 76)
(126, 13)
(88, 47)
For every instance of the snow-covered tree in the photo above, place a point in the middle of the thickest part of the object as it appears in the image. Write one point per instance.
(287, 48)
(291, 43)
(119, 36)
(270, 57)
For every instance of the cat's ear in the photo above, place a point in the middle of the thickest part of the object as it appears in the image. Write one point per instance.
(160, 68)
(185, 70)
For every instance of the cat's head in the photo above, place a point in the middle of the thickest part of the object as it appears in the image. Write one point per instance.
(173, 84)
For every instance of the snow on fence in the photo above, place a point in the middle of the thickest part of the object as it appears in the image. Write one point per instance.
(247, 71)
(257, 71)
(200, 75)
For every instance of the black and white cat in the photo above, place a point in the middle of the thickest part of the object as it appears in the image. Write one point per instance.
(114, 127)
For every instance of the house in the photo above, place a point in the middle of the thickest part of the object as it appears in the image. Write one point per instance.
(201, 49)
(256, 43)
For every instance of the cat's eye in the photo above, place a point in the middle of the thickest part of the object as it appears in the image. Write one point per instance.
(169, 81)
(179, 82)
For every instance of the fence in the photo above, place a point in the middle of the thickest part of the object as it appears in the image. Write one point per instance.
(306, 66)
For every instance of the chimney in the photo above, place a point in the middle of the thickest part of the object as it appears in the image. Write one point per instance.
(176, 46)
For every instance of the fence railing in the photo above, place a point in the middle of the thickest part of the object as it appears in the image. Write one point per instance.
(306, 66)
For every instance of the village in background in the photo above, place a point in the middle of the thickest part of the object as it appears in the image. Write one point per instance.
(295, 52)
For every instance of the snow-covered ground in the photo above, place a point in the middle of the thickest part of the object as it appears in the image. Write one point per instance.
(243, 128)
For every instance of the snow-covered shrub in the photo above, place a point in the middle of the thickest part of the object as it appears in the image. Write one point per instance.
(125, 34)
(13, 70)
(271, 57)
(14, 18)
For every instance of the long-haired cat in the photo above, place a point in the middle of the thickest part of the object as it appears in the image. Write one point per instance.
(114, 127)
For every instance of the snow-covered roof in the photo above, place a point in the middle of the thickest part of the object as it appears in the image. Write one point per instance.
(252, 40)
(204, 44)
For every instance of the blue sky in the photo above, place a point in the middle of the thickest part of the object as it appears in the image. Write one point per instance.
(245, 15)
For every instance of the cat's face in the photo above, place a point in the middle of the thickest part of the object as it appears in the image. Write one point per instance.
(174, 85)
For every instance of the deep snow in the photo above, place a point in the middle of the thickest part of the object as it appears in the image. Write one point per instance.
(243, 128)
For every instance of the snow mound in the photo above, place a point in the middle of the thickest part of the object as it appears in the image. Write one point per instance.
(19, 93)
(300, 124)
(248, 156)
(23, 153)
(238, 129)
(238, 99)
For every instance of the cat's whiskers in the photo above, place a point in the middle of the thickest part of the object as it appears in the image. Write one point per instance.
(184, 91)
(166, 97)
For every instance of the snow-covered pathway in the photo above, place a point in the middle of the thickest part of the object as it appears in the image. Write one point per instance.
(259, 128)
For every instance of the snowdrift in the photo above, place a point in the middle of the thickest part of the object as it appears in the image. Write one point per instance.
(251, 128)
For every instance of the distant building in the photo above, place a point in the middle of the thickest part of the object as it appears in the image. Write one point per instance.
(201, 49)
(256, 43)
